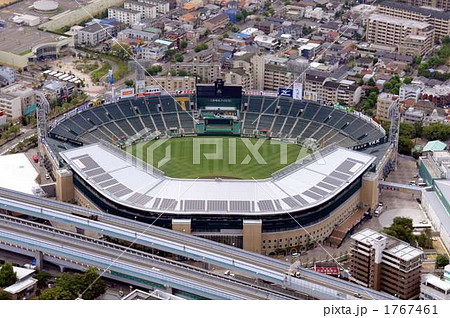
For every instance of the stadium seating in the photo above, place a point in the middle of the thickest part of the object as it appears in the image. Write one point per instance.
(281, 117)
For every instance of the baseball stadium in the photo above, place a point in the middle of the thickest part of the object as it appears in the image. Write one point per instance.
(257, 171)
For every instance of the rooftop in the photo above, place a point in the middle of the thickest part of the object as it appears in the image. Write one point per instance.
(301, 185)
(399, 21)
(20, 174)
(424, 11)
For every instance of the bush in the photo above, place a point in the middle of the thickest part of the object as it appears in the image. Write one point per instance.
(441, 261)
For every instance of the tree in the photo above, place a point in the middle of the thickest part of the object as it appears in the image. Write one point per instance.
(401, 228)
(225, 35)
(7, 275)
(239, 17)
(129, 83)
(42, 279)
(70, 286)
(371, 82)
(405, 145)
(436, 131)
(169, 52)
(407, 130)
(183, 45)
(418, 127)
(182, 72)
(4, 295)
(425, 239)
(407, 80)
(441, 261)
(178, 57)
(121, 50)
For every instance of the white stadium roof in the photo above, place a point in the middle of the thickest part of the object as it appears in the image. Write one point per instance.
(299, 186)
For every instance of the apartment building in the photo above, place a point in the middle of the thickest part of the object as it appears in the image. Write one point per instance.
(270, 72)
(172, 83)
(208, 72)
(384, 101)
(439, 4)
(318, 87)
(433, 288)
(131, 34)
(386, 264)
(241, 71)
(408, 36)
(148, 10)
(409, 92)
(125, 16)
(152, 51)
(217, 22)
(440, 20)
(94, 34)
(162, 6)
(11, 106)
(8, 74)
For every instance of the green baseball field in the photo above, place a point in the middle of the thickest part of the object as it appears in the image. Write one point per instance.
(221, 157)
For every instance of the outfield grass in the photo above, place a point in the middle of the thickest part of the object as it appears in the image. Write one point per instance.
(181, 164)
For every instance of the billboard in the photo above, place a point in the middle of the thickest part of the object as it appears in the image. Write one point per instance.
(287, 92)
(127, 93)
(140, 86)
(298, 91)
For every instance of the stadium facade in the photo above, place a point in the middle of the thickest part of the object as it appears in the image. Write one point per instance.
(297, 208)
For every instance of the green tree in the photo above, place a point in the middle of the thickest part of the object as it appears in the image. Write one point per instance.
(178, 57)
(4, 295)
(169, 52)
(239, 17)
(405, 145)
(441, 260)
(407, 80)
(436, 131)
(371, 82)
(42, 279)
(183, 45)
(7, 275)
(129, 83)
(401, 228)
(407, 130)
(425, 239)
(182, 72)
(121, 50)
(418, 127)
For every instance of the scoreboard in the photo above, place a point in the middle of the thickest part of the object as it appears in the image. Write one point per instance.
(219, 95)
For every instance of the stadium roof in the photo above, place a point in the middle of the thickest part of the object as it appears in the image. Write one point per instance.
(125, 180)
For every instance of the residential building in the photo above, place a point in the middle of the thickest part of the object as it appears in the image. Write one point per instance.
(162, 6)
(132, 34)
(238, 76)
(433, 288)
(217, 22)
(152, 51)
(409, 92)
(27, 98)
(172, 83)
(318, 87)
(266, 42)
(408, 36)
(384, 263)
(11, 106)
(384, 101)
(8, 74)
(412, 115)
(440, 4)
(271, 72)
(440, 20)
(148, 10)
(125, 16)
(94, 34)
(208, 72)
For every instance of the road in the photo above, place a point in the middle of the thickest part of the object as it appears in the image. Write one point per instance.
(26, 133)
(94, 252)
(249, 264)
